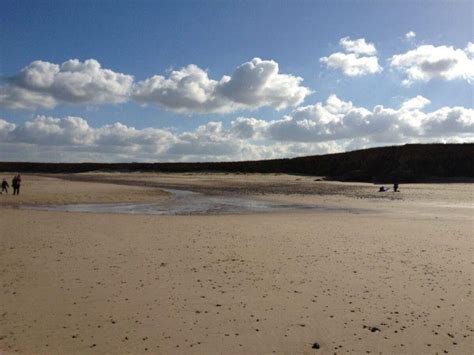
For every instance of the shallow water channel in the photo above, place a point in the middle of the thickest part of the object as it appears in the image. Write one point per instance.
(185, 202)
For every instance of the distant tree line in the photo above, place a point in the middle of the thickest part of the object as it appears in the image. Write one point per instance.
(407, 163)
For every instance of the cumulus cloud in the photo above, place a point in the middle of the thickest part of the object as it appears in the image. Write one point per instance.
(186, 90)
(410, 35)
(417, 102)
(330, 126)
(351, 64)
(5, 129)
(359, 58)
(470, 49)
(44, 84)
(54, 131)
(253, 84)
(338, 120)
(358, 46)
(449, 121)
(73, 139)
(248, 127)
(429, 62)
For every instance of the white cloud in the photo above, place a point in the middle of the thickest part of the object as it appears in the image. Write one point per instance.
(410, 35)
(337, 120)
(254, 84)
(247, 127)
(332, 126)
(55, 131)
(73, 139)
(44, 84)
(415, 103)
(6, 128)
(428, 62)
(360, 58)
(14, 97)
(449, 121)
(186, 90)
(351, 64)
(358, 46)
(470, 49)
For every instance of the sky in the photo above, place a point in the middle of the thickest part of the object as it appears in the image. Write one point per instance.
(120, 81)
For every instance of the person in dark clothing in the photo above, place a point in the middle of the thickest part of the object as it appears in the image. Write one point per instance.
(395, 183)
(16, 183)
(5, 186)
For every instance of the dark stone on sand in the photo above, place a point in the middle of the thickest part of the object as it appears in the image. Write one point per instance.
(315, 346)
(372, 329)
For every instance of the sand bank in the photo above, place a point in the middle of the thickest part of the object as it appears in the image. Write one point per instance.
(43, 190)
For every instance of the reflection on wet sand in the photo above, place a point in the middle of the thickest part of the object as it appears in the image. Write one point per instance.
(185, 202)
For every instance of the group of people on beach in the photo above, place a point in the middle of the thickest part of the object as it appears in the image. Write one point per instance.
(395, 188)
(16, 183)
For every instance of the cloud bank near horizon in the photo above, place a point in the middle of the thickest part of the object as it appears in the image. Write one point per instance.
(331, 126)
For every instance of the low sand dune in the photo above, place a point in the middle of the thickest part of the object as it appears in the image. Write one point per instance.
(395, 277)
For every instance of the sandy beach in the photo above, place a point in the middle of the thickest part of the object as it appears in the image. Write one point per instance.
(375, 273)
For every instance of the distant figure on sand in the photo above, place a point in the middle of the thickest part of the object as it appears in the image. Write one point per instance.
(395, 183)
(383, 189)
(5, 186)
(16, 183)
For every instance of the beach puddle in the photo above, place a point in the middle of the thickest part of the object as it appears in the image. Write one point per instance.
(189, 203)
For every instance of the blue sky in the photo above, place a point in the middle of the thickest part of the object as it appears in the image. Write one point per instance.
(146, 38)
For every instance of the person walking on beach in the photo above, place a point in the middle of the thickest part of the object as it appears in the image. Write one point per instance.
(395, 183)
(5, 186)
(16, 183)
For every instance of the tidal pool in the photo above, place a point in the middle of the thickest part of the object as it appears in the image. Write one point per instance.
(185, 202)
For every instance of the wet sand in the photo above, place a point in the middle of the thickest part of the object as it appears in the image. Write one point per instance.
(43, 190)
(396, 278)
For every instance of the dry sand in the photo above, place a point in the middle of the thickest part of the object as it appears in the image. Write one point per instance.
(394, 278)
